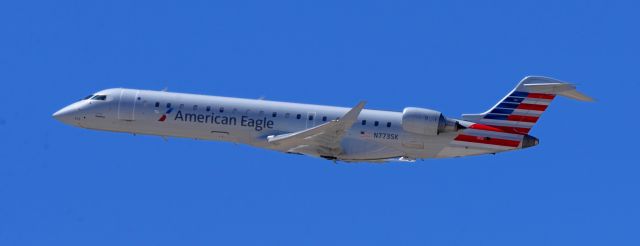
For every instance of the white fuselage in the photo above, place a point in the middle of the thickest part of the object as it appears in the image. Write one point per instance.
(375, 136)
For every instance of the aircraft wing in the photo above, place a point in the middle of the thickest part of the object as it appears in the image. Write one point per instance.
(322, 140)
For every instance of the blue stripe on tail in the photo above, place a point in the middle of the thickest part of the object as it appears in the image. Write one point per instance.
(514, 99)
(501, 111)
(508, 105)
(496, 117)
(519, 94)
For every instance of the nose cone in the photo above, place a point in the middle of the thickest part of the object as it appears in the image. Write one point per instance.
(65, 115)
(529, 141)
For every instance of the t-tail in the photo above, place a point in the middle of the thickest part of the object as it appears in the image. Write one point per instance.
(519, 110)
(506, 125)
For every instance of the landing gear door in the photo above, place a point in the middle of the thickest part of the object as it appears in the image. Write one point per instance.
(127, 104)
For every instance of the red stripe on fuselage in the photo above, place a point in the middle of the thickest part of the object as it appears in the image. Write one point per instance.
(487, 140)
(528, 106)
(541, 95)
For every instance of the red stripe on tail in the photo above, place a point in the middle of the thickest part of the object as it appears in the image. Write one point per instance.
(536, 107)
(511, 129)
(487, 140)
(541, 95)
(522, 118)
(485, 127)
(505, 129)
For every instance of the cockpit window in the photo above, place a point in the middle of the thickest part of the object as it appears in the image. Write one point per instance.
(99, 97)
(87, 97)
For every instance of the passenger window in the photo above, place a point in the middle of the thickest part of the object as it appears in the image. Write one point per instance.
(195, 107)
(376, 123)
(364, 122)
(221, 109)
(274, 114)
(208, 108)
(261, 112)
(310, 117)
(157, 104)
(298, 116)
(287, 115)
(388, 124)
(181, 106)
(324, 118)
(168, 105)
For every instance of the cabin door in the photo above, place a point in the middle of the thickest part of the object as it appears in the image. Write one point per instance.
(127, 104)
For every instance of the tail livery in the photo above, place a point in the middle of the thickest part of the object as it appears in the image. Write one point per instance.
(506, 125)
(520, 110)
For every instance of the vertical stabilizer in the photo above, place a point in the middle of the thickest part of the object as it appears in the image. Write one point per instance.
(519, 110)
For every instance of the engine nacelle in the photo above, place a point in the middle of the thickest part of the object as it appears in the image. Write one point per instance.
(427, 122)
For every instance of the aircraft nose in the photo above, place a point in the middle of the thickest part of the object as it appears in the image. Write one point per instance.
(64, 115)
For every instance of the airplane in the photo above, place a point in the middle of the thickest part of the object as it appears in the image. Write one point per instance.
(333, 133)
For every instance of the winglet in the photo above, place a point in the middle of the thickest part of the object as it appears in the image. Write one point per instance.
(352, 115)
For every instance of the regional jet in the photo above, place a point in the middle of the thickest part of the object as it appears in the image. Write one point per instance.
(334, 133)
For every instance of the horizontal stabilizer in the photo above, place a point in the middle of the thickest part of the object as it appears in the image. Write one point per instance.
(563, 89)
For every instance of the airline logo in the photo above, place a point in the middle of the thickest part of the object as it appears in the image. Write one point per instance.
(164, 116)
(257, 124)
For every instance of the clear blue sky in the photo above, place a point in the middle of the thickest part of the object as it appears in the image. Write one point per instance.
(61, 185)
